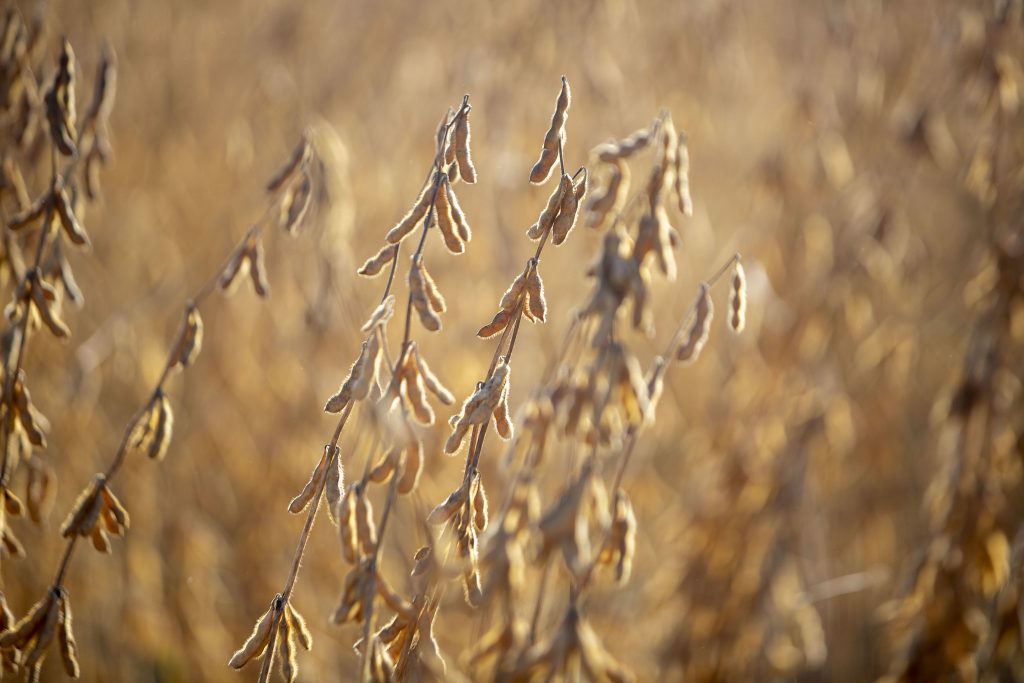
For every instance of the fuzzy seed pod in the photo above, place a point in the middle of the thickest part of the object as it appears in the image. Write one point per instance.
(498, 323)
(382, 314)
(682, 180)
(478, 408)
(462, 153)
(299, 502)
(383, 469)
(356, 386)
(458, 216)
(446, 510)
(190, 337)
(446, 220)
(375, 264)
(298, 159)
(510, 299)
(60, 103)
(72, 228)
(412, 469)
(44, 302)
(738, 299)
(366, 528)
(502, 418)
(479, 504)
(635, 142)
(257, 642)
(556, 133)
(431, 381)
(420, 300)
(415, 391)
(537, 305)
(152, 431)
(434, 296)
(66, 637)
(31, 212)
(40, 490)
(611, 201)
(567, 211)
(296, 203)
(699, 330)
(547, 216)
(287, 649)
(334, 487)
(347, 526)
(298, 626)
(411, 219)
(258, 269)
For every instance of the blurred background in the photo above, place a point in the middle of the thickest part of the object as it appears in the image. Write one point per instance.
(832, 143)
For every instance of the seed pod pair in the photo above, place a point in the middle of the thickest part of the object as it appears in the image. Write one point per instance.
(32, 635)
(248, 258)
(292, 631)
(60, 103)
(190, 337)
(556, 134)
(426, 297)
(411, 381)
(655, 234)
(612, 199)
(44, 304)
(574, 643)
(616, 150)
(25, 415)
(375, 264)
(527, 284)
(97, 512)
(329, 467)
(152, 430)
(559, 214)
(699, 330)
(356, 527)
(479, 407)
(361, 376)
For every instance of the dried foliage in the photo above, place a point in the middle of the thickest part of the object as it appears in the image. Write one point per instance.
(820, 482)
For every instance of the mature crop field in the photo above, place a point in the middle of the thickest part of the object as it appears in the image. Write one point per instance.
(732, 391)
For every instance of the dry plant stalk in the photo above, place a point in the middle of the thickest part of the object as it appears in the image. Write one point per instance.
(98, 512)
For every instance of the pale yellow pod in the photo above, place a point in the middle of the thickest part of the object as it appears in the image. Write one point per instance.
(418, 295)
(699, 330)
(411, 219)
(538, 306)
(738, 299)
(547, 216)
(257, 641)
(498, 323)
(446, 221)
(458, 216)
(413, 467)
(566, 219)
(375, 264)
(510, 299)
(431, 381)
(299, 502)
(190, 337)
(434, 296)
(462, 152)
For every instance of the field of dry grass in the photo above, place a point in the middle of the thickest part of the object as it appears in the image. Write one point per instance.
(831, 494)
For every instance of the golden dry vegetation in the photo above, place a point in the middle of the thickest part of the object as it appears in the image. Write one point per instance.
(831, 494)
